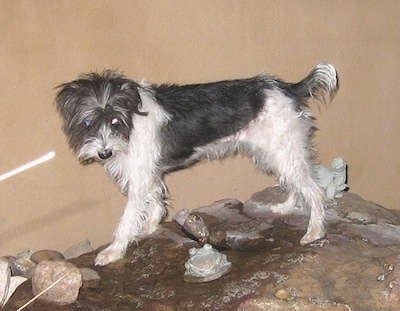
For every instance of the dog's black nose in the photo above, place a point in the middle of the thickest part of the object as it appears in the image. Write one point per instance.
(105, 154)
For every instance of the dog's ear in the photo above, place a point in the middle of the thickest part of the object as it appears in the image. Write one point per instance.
(131, 90)
(65, 95)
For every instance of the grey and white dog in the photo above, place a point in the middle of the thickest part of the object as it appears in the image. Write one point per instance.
(139, 132)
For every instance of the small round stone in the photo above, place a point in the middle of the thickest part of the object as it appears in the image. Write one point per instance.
(42, 255)
(282, 294)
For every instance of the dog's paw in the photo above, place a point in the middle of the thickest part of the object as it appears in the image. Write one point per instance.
(282, 208)
(107, 256)
(310, 237)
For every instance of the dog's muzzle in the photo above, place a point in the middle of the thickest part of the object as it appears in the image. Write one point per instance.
(105, 154)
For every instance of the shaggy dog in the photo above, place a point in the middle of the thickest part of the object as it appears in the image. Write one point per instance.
(139, 132)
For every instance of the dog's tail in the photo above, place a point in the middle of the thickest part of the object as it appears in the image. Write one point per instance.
(321, 81)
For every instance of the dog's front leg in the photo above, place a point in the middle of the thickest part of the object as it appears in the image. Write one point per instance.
(143, 212)
(122, 236)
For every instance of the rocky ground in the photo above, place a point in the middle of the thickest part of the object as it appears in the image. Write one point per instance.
(357, 266)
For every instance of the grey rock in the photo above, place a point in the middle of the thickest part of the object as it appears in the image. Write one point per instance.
(21, 265)
(89, 274)
(78, 249)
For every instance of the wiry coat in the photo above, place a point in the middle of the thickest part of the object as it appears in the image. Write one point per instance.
(139, 132)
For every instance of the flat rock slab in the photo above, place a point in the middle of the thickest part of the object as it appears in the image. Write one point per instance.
(357, 266)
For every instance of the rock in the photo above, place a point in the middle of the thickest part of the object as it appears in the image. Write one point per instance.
(181, 217)
(8, 283)
(270, 304)
(356, 267)
(65, 291)
(78, 249)
(43, 255)
(21, 265)
(391, 275)
(5, 276)
(15, 281)
(282, 294)
(89, 274)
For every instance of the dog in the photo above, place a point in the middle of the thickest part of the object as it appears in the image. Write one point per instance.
(139, 132)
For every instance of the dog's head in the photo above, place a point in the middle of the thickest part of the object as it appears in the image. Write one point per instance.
(97, 111)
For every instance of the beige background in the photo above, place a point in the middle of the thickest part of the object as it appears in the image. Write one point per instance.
(45, 42)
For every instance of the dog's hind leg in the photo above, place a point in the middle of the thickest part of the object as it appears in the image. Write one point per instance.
(315, 198)
(300, 184)
(294, 171)
(284, 148)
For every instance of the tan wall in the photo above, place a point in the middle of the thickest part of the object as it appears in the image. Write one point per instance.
(46, 42)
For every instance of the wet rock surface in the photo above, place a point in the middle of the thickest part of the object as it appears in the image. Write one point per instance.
(357, 266)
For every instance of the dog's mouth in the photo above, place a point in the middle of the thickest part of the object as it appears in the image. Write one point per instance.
(101, 157)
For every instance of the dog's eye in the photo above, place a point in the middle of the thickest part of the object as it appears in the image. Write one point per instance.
(115, 122)
(87, 123)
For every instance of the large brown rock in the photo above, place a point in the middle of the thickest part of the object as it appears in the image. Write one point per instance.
(357, 266)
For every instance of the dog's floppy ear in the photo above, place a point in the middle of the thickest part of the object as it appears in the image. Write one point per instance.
(131, 90)
(67, 92)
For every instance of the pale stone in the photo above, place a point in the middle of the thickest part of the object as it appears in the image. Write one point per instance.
(282, 294)
(66, 290)
(15, 281)
(5, 275)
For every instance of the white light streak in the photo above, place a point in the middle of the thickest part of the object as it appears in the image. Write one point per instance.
(46, 157)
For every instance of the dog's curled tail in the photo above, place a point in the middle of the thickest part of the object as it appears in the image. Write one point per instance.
(321, 81)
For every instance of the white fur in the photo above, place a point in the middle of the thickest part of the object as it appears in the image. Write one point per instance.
(136, 172)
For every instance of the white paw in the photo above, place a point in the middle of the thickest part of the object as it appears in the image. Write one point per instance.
(310, 237)
(109, 255)
(281, 208)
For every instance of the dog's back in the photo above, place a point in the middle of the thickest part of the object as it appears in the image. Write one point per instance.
(202, 114)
